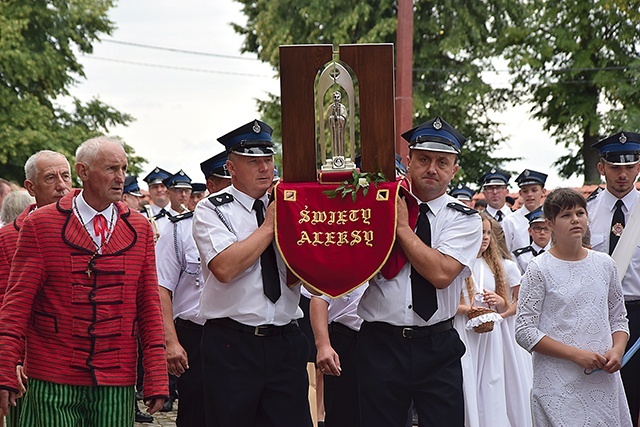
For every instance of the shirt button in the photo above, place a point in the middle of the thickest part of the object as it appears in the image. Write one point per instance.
(410, 306)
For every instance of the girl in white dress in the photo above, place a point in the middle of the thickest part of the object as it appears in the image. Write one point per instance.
(571, 315)
(518, 369)
(483, 363)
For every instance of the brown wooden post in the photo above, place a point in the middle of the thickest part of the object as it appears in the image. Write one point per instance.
(404, 75)
(299, 65)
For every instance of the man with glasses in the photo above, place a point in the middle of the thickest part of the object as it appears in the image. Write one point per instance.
(540, 240)
(495, 188)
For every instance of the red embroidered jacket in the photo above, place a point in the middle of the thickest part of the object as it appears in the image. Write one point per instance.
(83, 328)
(8, 240)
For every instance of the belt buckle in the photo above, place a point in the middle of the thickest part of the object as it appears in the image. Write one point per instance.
(258, 331)
(407, 332)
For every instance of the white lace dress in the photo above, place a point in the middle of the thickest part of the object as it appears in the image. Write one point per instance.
(578, 303)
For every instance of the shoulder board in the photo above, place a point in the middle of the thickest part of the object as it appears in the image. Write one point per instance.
(521, 251)
(462, 208)
(595, 193)
(181, 216)
(221, 199)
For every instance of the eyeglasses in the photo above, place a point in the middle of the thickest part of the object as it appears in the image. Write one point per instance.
(494, 188)
(540, 229)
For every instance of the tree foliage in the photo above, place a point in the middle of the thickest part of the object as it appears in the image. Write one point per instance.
(578, 63)
(39, 41)
(454, 41)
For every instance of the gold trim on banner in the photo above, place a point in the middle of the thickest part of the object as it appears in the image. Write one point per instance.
(308, 285)
(382, 195)
(289, 195)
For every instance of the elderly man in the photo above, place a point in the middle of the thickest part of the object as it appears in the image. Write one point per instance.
(48, 179)
(82, 288)
(407, 349)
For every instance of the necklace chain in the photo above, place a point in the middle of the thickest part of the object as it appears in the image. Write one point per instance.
(104, 241)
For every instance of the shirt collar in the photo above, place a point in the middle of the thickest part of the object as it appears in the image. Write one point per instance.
(87, 212)
(245, 200)
(629, 199)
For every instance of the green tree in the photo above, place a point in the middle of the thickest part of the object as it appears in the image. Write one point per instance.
(578, 63)
(39, 40)
(454, 41)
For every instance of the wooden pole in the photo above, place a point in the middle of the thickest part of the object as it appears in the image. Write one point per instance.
(404, 75)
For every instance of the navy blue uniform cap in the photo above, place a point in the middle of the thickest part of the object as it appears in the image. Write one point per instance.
(131, 186)
(495, 177)
(535, 215)
(251, 139)
(156, 176)
(462, 192)
(216, 166)
(435, 135)
(528, 177)
(178, 180)
(623, 148)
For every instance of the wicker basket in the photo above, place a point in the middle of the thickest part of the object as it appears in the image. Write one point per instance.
(479, 311)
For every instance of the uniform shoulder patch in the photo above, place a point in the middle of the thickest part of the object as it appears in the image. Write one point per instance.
(521, 251)
(595, 193)
(181, 216)
(221, 199)
(462, 208)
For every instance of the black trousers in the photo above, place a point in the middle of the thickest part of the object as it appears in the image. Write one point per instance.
(393, 371)
(341, 393)
(190, 384)
(631, 371)
(255, 381)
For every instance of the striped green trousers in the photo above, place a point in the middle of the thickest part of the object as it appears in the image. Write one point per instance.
(48, 404)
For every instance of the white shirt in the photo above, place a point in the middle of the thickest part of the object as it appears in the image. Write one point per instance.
(516, 229)
(179, 269)
(85, 214)
(523, 259)
(343, 309)
(453, 233)
(243, 298)
(600, 212)
(506, 211)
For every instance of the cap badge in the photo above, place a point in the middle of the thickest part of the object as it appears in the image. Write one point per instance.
(256, 127)
(623, 138)
(156, 170)
(527, 172)
(493, 171)
(437, 125)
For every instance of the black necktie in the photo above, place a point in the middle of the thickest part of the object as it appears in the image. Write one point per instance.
(425, 302)
(539, 252)
(617, 225)
(270, 276)
(499, 216)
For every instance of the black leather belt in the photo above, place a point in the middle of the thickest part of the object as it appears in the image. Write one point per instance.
(186, 323)
(259, 331)
(413, 331)
(341, 329)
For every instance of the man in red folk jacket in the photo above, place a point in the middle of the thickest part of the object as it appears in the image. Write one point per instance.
(48, 179)
(82, 288)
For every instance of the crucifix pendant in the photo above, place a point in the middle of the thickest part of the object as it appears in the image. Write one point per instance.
(88, 272)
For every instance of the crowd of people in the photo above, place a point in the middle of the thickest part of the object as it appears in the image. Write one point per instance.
(482, 316)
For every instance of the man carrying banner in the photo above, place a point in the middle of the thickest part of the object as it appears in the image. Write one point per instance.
(407, 349)
(254, 355)
(611, 218)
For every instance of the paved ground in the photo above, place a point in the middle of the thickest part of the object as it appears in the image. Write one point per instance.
(164, 419)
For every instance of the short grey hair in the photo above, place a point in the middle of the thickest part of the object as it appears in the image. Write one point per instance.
(30, 167)
(13, 205)
(88, 150)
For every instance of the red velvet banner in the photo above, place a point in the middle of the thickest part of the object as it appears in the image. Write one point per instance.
(335, 244)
